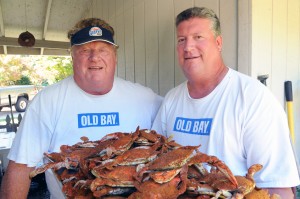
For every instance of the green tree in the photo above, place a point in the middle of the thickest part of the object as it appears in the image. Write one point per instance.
(23, 81)
(42, 70)
(63, 67)
(10, 70)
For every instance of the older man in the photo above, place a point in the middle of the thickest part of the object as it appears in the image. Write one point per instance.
(90, 103)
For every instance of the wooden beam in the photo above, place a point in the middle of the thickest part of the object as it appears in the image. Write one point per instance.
(5, 50)
(47, 18)
(42, 51)
(13, 50)
(9, 41)
(2, 32)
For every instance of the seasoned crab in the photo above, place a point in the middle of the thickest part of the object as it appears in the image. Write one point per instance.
(195, 187)
(69, 164)
(193, 172)
(113, 136)
(168, 190)
(116, 181)
(164, 176)
(245, 183)
(122, 144)
(121, 176)
(148, 137)
(168, 161)
(169, 144)
(72, 157)
(66, 175)
(173, 159)
(200, 158)
(144, 164)
(134, 156)
(72, 191)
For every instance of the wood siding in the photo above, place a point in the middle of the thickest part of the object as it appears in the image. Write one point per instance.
(269, 43)
(145, 32)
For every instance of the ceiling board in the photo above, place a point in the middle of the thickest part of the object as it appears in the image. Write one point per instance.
(48, 20)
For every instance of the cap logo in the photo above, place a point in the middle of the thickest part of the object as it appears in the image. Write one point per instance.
(95, 31)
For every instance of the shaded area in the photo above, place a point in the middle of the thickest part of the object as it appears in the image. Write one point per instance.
(38, 187)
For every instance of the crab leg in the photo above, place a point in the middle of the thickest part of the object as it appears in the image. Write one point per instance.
(45, 167)
(252, 170)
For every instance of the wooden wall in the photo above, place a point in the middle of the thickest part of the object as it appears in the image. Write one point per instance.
(269, 43)
(145, 32)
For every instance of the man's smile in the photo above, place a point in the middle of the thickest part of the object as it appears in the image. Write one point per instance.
(96, 67)
(194, 57)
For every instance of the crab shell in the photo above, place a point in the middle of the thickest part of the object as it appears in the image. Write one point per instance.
(159, 191)
(168, 190)
(173, 159)
(164, 176)
(148, 137)
(120, 173)
(134, 156)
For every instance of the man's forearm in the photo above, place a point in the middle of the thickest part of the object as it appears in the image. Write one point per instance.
(284, 193)
(16, 182)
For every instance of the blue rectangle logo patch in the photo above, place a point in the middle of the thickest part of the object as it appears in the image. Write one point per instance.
(201, 126)
(86, 120)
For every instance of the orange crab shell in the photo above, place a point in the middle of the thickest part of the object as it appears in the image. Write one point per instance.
(173, 159)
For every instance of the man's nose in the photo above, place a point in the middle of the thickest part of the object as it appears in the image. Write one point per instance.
(94, 55)
(189, 44)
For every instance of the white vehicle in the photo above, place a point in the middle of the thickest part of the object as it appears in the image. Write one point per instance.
(20, 96)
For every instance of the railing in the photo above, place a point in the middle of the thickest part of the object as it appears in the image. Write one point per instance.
(11, 126)
(7, 134)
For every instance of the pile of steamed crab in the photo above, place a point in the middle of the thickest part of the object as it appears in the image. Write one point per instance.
(145, 164)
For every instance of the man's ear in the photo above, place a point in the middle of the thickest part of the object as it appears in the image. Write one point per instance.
(219, 41)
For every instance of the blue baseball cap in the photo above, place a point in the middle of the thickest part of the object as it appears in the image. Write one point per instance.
(92, 33)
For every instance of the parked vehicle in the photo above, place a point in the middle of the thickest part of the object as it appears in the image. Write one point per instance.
(20, 96)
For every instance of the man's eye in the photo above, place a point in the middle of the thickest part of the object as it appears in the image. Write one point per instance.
(104, 51)
(85, 51)
(198, 37)
(180, 40)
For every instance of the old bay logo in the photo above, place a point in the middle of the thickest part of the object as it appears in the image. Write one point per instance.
(98, 119)
(95, 31)
(201, 126)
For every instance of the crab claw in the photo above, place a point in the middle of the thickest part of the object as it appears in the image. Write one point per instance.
(252, 170)
(213, 161)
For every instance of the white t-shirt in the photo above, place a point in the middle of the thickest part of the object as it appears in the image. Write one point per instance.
(240, 122)
(62, 113)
